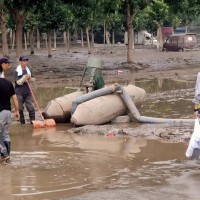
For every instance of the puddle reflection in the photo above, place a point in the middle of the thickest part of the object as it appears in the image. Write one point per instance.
(44, 95)
(156, 85)
(52, 163)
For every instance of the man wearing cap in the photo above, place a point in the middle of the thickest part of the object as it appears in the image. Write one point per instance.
(22, 74)
(3, 62)
(7, 92)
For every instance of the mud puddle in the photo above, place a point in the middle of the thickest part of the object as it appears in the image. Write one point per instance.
(54, 164)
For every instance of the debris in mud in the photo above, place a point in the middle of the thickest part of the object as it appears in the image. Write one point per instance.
(163, 132)
(134, 66)
(148, 64)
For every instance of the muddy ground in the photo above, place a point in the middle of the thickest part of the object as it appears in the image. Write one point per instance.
(65, 68)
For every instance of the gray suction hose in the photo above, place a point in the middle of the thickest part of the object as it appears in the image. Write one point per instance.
(92, 95)
(129, 104)
(143, 119)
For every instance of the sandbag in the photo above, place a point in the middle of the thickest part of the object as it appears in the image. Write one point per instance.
(59, 108)
(104, 109)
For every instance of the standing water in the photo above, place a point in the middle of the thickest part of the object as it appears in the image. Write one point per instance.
(55, 164)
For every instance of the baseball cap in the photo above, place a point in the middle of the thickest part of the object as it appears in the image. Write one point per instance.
(5, 60)
(22, 58)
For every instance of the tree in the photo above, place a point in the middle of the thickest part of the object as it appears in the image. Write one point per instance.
(3, 17)
(183, 12)
(19, 10)
(157, 12)
(31, 26)
(89, 16)
(111, 17)
(132, 8)
(52, 15)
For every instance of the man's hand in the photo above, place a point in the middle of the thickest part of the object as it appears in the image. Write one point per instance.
(28, 76)
(196, 114)
(24, 78)
(16, 115)
(16, 105)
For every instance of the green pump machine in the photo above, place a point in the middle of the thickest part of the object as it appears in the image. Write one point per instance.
(93, 75)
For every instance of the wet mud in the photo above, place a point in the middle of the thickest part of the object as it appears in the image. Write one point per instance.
(136, 161)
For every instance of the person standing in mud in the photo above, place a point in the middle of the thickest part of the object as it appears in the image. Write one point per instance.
(22, 74)
(7, 92)
(196, 99)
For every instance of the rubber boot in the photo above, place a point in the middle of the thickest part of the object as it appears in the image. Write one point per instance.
(3, 148)
(32, 117)
(21, 118)
(7, 144)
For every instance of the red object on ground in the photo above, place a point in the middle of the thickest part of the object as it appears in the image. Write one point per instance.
(110, 134)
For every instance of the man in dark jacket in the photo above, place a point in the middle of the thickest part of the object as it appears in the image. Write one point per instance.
(7, 92)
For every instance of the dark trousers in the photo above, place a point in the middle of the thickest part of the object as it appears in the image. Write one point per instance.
(27, 100)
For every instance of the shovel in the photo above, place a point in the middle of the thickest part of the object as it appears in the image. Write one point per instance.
(45, 123)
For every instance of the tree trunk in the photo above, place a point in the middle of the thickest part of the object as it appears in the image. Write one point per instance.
(104, 34)
(129, 32)
(38, 39)
(49, 43)
(4, 34)
(25, 41)
(46, 41)
(160, 38)
(54, 38)
(107, 38)
(19, 36)
(133, 39)
(88, 40)
(31, 42)
(68, 39)
(19, 21)
(113, 36)
(65, 38)
(10, 37)
(13, 40)
(82, 42)
(92, 38)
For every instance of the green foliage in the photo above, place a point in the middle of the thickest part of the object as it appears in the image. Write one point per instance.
(54, 15)
(31, 20)
(184, 11)
(111, 14)
(154, 15)
(157, 12)
(72, 14)
(21, 5)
